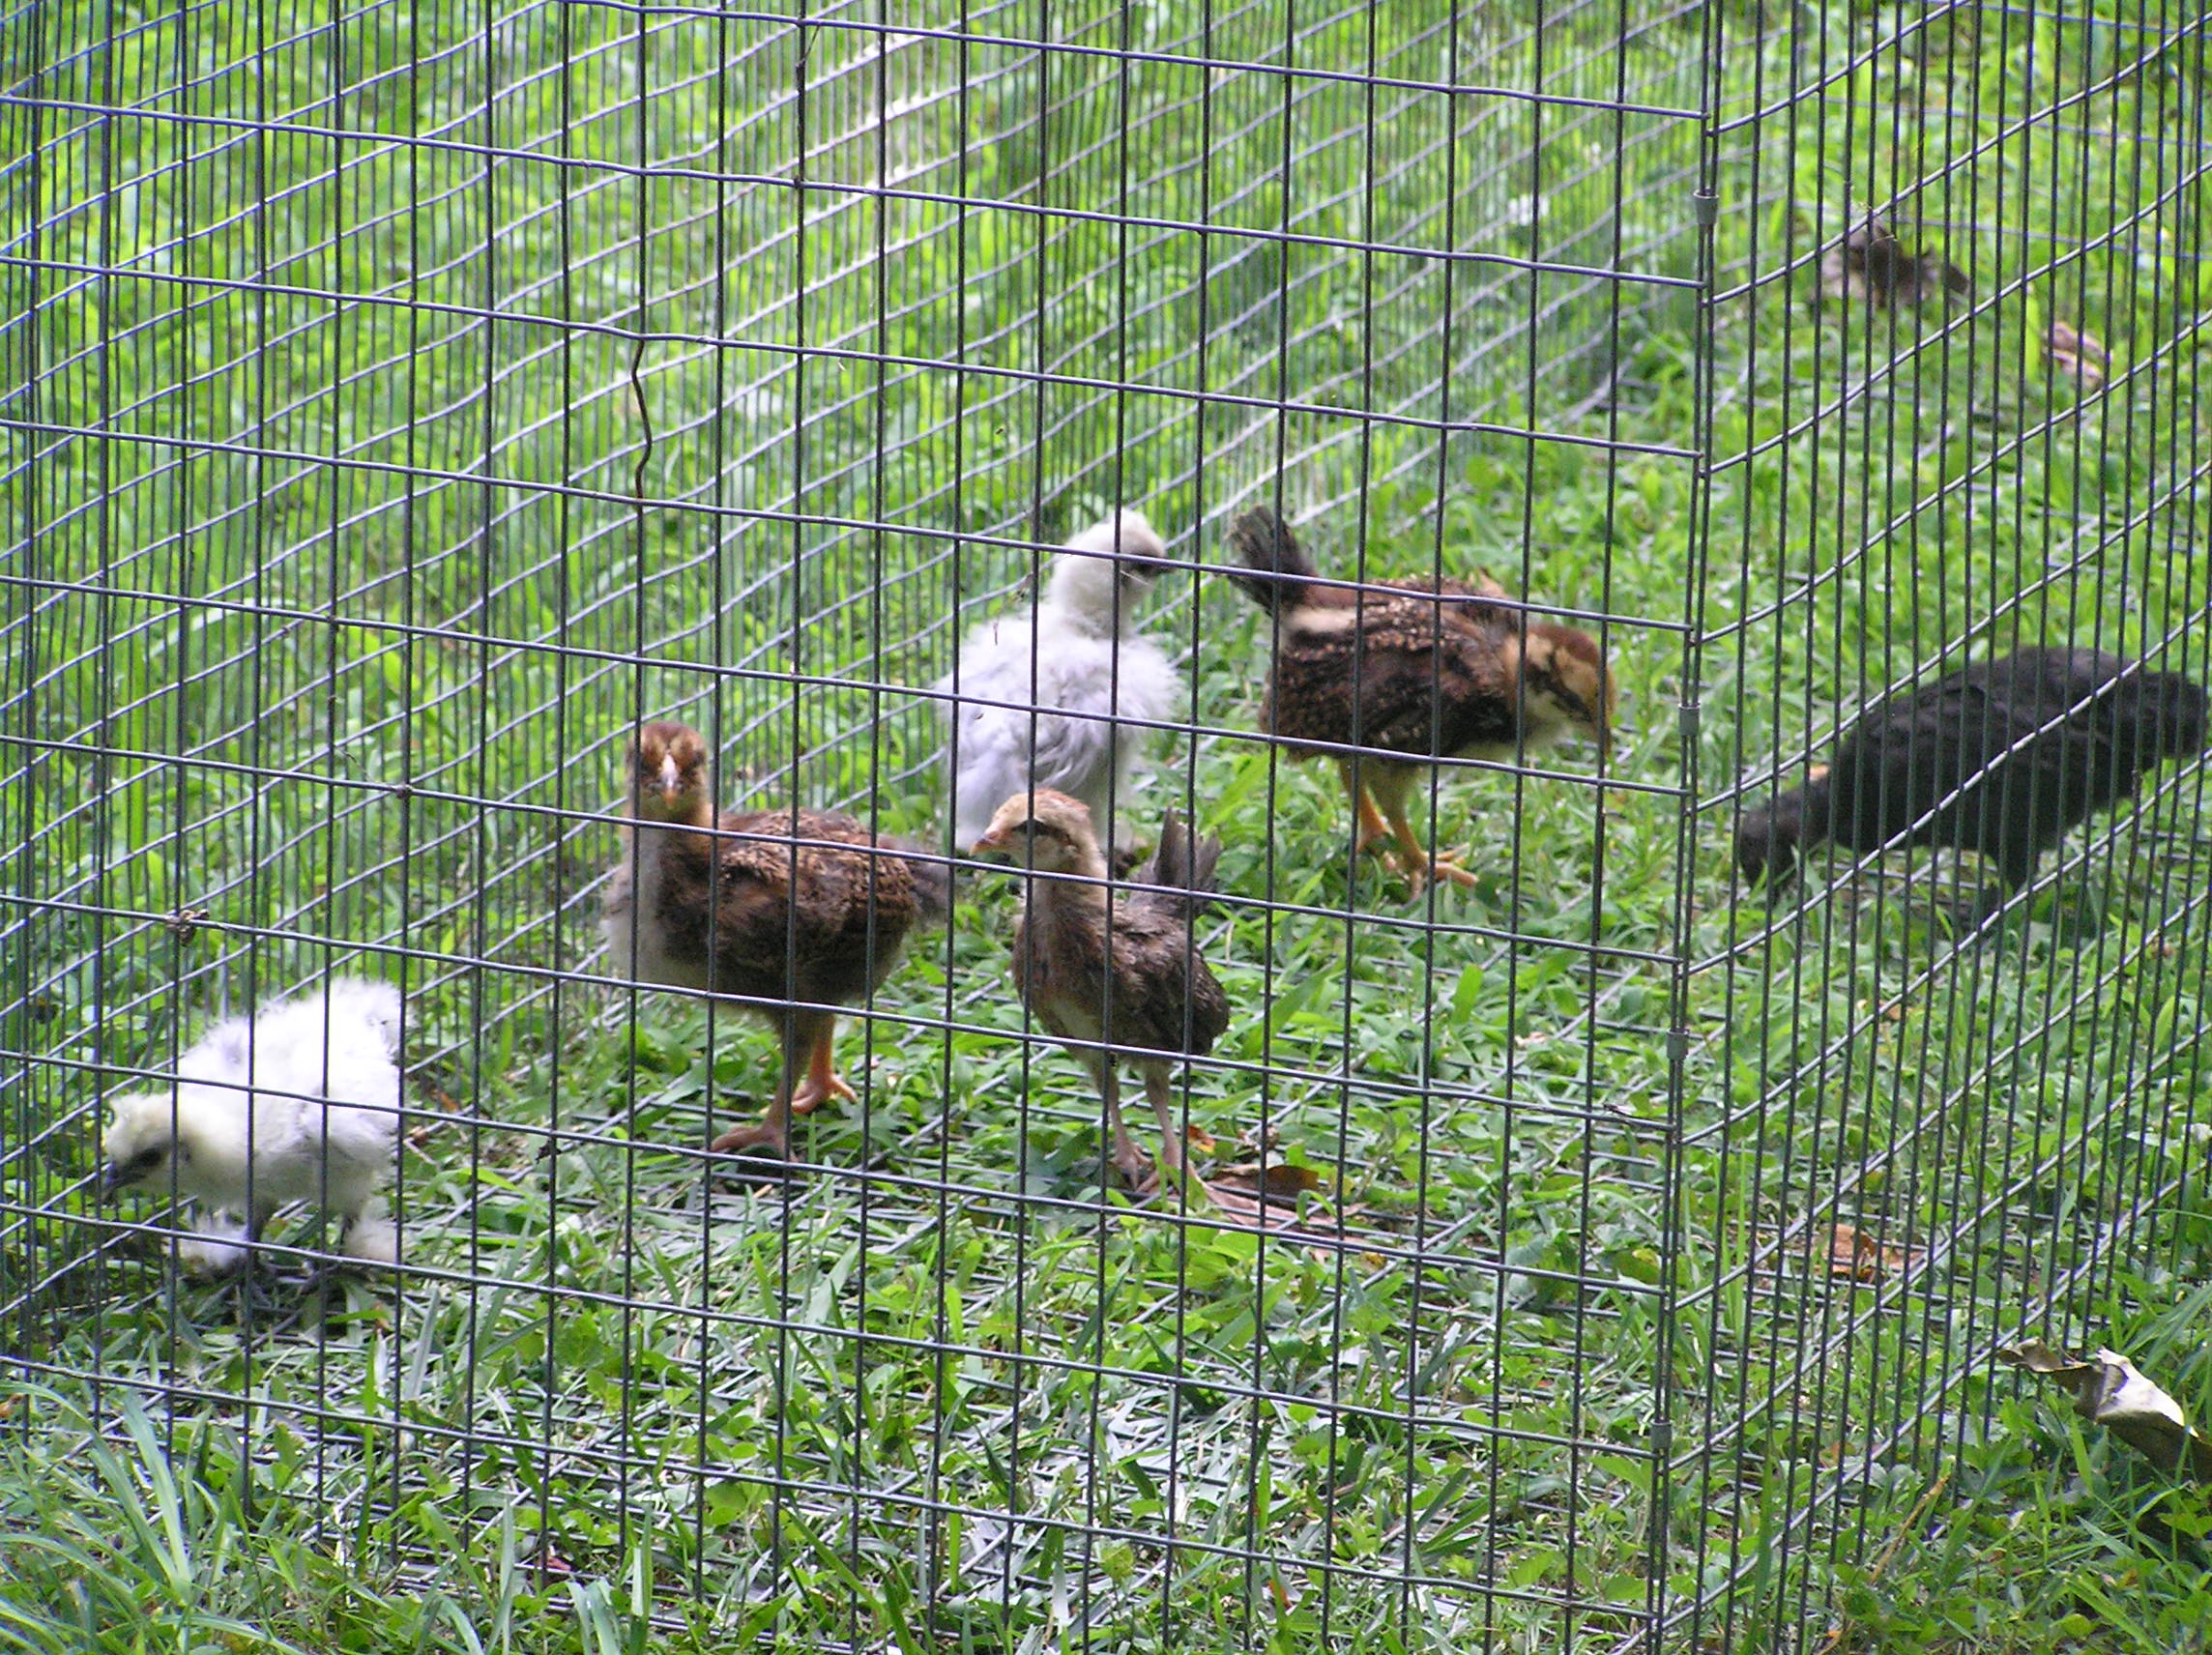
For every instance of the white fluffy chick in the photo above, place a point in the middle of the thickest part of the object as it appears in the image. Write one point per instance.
(298, 1102)
(1077, 659)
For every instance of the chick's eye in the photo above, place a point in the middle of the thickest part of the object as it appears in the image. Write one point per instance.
(146, 1160)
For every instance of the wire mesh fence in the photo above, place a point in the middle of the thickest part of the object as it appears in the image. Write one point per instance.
(1598, 1245)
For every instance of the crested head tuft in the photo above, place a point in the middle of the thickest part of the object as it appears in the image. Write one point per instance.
(1103, 573)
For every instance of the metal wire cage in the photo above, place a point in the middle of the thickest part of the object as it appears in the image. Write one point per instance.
(403, 406)
(1952, 416)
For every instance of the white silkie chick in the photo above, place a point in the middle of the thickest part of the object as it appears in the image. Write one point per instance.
(1077, 659)
(298, 1102)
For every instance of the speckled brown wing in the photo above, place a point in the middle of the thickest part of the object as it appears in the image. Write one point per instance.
(1173, 1001)
(1399, 674)
(786, 915)
(1060, 966)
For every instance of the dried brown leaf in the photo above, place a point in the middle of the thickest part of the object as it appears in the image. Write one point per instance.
(1863, 1258)
(2109, 1391)
(2075, 355)
(1269, 1180)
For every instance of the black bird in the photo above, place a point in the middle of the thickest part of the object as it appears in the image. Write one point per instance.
(2002, 758)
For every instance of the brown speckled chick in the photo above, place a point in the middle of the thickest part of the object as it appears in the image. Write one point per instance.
(1409, 674)
(794, 913)
(1126, 975)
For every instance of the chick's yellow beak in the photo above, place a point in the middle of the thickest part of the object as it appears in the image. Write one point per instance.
(994, 840)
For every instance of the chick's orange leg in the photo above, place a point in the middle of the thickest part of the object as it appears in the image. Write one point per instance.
(1159, 1093)
(805, 1036)
(821, 1079)
(769, 1136)
(1373, 830)
(1416, 862)
(1128, 1154)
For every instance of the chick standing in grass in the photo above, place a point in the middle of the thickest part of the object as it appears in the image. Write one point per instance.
(2002, 758)
(298, 1102)
(1037, 696)
(1408, 674)
(795, 912)
(1125, 973)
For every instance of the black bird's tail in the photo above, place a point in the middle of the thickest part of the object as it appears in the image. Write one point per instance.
(1182, 864)
(1767, 840)
(1278, 567)
(2178, 707)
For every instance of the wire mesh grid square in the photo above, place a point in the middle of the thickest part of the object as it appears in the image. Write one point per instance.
(405, 406)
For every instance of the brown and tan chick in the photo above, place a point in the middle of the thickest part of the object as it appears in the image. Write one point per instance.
(791, 913)
(1120, 978)
(1384, 680)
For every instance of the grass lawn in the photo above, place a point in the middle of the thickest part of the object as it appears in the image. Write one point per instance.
(403, 405)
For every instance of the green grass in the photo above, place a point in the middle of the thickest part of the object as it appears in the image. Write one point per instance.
(944, 1395)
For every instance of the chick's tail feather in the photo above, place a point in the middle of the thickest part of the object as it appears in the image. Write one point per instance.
(1184, 864)
(1278, 566)
(932, 881)
(2181, 715)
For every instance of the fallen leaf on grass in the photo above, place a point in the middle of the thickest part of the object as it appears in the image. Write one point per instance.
(2075, 355)
(2109, 1391)
(1271, 1189)
(424, 1087)
(1236, 1204)
(1863, 1258)
(1269, 1180)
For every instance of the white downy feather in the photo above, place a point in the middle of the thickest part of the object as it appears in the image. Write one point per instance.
(298, 1102)
(1039, 690)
